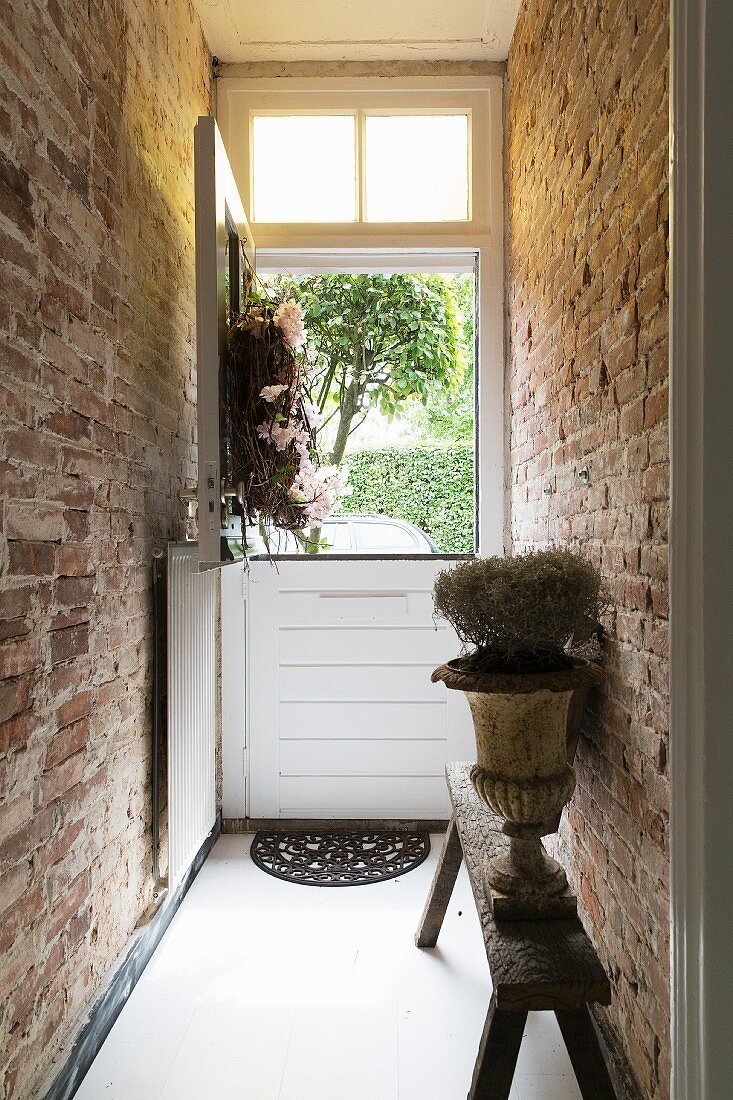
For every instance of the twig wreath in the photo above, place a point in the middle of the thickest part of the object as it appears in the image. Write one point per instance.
(273, 424)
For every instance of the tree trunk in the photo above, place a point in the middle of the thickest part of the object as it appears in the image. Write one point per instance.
(349, 409)
(311, 543)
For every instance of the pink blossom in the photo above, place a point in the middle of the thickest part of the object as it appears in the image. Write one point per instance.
(317, 489)
(278, 434)
(271, 393)
(282, 435)
(312, 414)
(289, 319)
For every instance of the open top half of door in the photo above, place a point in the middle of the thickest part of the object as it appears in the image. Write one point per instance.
(225, 254)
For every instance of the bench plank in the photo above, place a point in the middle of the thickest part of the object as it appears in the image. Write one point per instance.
(547, 964)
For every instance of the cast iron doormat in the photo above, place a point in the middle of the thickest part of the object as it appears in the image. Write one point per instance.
(339, 859)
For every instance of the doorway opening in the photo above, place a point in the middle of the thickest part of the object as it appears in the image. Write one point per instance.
(391, 378)
(343, 720)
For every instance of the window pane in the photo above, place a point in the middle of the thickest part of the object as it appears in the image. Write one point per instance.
(416, 168)
(304, 168)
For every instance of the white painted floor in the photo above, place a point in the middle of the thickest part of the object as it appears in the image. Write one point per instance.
(263, 990)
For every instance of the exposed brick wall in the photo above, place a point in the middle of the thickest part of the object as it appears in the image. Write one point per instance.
(97, 395)
(587, 250)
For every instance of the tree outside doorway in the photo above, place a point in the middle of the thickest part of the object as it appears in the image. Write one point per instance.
(392, 376)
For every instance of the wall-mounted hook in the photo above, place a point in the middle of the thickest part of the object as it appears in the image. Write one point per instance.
(584, 475)
(548, 490)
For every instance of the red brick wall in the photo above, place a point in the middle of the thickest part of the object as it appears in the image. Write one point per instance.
(97, 392)
(587, 250)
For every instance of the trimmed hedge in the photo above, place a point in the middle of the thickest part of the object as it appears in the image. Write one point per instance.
(432, 487)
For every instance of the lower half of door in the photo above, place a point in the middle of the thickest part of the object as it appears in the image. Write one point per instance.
(343, 720)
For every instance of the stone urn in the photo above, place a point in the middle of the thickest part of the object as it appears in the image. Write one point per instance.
(522, 774)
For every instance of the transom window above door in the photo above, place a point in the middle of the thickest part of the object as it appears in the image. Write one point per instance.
(369, 166)
(374, 162)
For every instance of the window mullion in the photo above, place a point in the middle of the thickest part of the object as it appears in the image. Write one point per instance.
(360, 165)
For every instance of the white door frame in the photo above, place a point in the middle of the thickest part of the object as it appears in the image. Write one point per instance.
(483, 233)
(701, 523)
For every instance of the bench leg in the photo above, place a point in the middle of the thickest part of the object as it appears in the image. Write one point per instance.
(497, 1055)
(581, 1039)
(442, 887)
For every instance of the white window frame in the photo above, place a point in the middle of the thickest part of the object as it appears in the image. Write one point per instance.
(359, 114)
(481, 234)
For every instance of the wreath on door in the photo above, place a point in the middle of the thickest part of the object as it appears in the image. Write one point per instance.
(273, 425)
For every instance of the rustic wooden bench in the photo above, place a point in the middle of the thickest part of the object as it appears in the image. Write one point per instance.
(536, 965)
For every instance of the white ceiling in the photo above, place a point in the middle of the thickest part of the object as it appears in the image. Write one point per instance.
(358, 30)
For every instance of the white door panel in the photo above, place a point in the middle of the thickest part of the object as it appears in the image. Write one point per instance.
(424, 721)
(365, 643)
(380, 681)
(366, 757)
(342, 604)
(343, 718)
(363, 797)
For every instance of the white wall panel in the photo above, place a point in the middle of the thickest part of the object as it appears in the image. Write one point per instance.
(233, 693)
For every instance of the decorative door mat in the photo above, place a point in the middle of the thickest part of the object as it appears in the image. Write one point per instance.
(339, 858)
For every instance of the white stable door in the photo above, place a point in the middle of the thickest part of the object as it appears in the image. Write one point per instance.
(344, 721)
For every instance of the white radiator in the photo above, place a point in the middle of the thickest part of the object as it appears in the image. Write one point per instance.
(191, 707)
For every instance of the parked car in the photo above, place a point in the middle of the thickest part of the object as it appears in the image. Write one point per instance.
(363, 534)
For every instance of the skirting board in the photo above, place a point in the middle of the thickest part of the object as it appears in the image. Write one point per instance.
(340, 825)
(110, 1003)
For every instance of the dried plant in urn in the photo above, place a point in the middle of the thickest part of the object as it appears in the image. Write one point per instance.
(523, 621)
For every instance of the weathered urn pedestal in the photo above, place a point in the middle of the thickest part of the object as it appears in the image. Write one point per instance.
(522, 773)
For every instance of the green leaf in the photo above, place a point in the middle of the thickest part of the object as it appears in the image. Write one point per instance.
(431, 486)
(415, 330)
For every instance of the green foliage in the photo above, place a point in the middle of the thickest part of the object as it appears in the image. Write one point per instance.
(378, 341)
(449, 417)
(432, 487)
